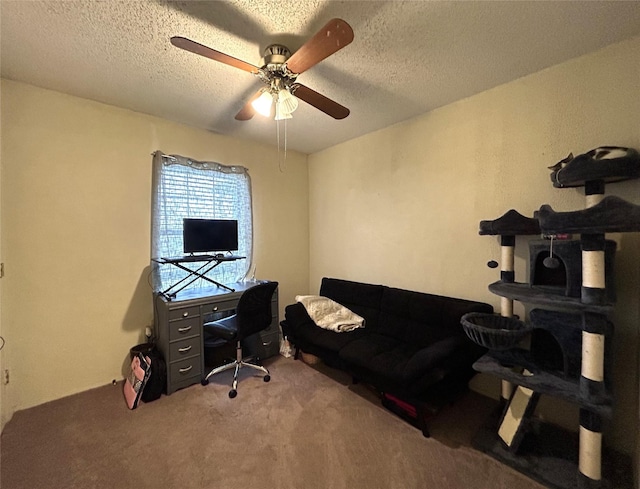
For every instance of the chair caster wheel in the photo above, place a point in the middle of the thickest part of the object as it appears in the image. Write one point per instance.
(204, 381)
(233, 393)
(267, 378)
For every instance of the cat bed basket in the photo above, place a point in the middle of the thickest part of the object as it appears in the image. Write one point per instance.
(493, 331)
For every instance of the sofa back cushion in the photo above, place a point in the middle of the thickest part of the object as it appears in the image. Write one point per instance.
(421, 319)
(363, 299)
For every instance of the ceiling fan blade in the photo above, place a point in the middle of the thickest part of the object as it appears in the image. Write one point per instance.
(331, 38)
(197, 48)
(320, 102)
(247, 112)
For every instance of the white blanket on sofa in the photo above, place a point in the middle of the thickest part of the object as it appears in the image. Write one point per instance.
(328, 314)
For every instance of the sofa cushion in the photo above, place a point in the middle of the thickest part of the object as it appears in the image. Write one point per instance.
(327, 339)
(396, 360)
(436, 354)
(305, 332)
(421, 319)
(363, 299)
(382, 355)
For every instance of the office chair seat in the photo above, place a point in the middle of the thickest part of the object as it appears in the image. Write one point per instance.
(225, 328)
(253, 314)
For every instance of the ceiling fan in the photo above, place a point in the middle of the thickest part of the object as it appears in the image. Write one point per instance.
(281, 70)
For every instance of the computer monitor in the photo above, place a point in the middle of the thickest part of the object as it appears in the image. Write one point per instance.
(205, 235)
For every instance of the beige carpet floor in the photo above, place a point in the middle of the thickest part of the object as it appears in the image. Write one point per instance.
(308, 428)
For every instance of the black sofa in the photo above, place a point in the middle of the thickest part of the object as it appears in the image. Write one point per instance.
(412, 349)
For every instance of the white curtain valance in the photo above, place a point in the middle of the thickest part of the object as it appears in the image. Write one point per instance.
(200, 165)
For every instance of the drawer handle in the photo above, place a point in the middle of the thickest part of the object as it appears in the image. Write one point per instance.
(267, 343)
(214, 309)
(184, 329)
(185, 349)
(185, 314)
(186, 369)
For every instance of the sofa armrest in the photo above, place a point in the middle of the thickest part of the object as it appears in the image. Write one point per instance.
(296, 316)
(436, 354)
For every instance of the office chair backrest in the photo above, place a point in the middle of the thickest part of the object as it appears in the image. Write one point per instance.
(254, 309)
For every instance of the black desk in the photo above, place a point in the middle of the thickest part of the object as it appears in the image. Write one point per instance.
(209, 262)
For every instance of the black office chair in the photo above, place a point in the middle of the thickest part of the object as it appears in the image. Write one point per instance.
(253, 314)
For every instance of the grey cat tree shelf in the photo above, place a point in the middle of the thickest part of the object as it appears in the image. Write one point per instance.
(499, 364)
(611, 215)
(524, 292)
(606, 164)
(511, 223)
(569, 354)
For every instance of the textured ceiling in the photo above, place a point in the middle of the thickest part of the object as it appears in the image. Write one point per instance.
(407, 57)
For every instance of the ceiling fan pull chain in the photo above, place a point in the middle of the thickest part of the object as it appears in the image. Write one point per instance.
(278, 139)
(285, 145)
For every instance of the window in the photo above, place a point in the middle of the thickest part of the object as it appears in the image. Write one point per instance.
(183, 187)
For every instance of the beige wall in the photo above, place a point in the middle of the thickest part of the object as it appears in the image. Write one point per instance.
(401, 206)
(76, 189)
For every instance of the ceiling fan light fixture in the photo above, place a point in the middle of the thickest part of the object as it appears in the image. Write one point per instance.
(281, 113)
(286, 101)
(263, 103)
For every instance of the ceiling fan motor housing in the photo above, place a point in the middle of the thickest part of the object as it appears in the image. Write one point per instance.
(276, 55)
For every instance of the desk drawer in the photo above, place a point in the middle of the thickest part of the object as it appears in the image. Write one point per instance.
(184, 313)
(184, 328)
(272, 328)
(189, 367)
(219, 306)
(269, 344)
(185, 348)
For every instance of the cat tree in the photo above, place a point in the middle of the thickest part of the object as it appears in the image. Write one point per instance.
(569, 354)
